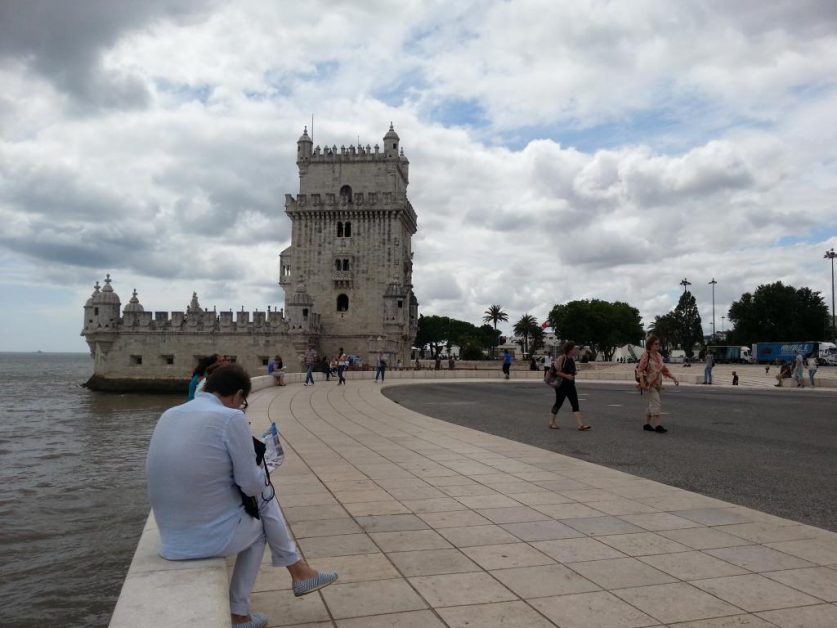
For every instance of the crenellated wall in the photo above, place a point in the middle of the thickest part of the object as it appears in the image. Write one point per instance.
(347, 277)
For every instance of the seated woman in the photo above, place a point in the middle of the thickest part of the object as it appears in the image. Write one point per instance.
(276, 367)
(197, 498)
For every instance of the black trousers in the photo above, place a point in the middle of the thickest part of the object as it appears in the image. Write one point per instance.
(565, 391)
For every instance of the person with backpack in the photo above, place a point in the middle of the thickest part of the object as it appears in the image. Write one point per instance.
(564, 370)
(650, 372)
(382, 368)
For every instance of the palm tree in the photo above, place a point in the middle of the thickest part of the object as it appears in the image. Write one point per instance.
(526, 327)
(495, 314)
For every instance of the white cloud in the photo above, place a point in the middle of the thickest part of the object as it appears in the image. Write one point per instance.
(559, 150)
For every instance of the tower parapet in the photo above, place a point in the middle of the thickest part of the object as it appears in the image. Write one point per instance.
(351, 242)
(158, 350)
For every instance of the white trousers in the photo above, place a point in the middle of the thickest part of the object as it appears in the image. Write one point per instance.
(248, 543)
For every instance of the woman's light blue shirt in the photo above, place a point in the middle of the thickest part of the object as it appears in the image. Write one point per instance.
(199, 453)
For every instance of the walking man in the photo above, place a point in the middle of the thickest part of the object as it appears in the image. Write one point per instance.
(507, 360)
(310, 362)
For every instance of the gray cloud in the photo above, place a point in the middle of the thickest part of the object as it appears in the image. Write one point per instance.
(65, 41)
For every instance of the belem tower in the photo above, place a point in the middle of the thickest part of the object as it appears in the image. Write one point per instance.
(347, 279)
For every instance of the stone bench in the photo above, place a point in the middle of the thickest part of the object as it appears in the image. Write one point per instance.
(159, 592)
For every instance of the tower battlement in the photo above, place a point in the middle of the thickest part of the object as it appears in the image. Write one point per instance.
(347, 277)
(357, 200)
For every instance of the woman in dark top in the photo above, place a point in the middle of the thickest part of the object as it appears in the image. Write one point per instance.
(564, 367)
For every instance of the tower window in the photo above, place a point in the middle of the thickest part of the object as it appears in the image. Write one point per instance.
(342, 303)
(305, 312)
(136, 360)
(347, 230)
(339, 229)
(337, 264)
(346, 194)
(95, 311)
(345, 264)
(400, 303)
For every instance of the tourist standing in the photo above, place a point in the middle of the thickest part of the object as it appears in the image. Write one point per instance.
(565, 369)
(507, 361)
(799, 371)
(342, 363)
(310, 360)
(707, 369)
(382, 368)
(651, 371)
(812, 366)
(199, 509)
(438, 361)
(547, 363)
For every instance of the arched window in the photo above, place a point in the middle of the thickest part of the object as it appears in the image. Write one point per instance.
(347, 230)
(345, 264)
(346, 194)
(337, 264)
(339, 229)
(342, 303)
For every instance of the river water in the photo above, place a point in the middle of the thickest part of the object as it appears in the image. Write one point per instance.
(72, 489)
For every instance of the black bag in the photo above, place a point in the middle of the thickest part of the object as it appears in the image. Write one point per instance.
(251, 504)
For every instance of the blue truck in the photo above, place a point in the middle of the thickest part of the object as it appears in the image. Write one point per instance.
(770, 352)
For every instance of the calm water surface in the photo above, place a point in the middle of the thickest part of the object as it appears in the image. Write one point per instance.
(72, 490)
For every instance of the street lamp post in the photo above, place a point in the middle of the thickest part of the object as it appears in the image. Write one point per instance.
(685, 283)
(712, 283)
(722, 323)
(831, 255)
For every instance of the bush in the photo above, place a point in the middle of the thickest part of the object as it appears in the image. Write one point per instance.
(471, 352)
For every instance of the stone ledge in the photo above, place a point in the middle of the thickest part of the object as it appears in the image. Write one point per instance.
(160, 592)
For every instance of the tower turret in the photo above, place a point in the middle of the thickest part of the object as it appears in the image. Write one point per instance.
(105, 304)
(132, 311)
(304, 147)
(298, 309)
(391, 140)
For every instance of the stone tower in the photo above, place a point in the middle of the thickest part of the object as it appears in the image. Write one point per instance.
(350, 258)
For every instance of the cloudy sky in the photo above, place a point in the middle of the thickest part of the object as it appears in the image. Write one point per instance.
(559, 150)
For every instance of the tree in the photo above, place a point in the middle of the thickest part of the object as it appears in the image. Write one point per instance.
(776, 312)
(666, 329)
(525, 328)
(687, 319)
(432, 331)
(599, 324)
(495, 314)
(439, 332)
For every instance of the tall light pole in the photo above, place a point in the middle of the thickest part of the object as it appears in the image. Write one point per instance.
(722, 323)
(685, 283)
(712, 283)
(831, 255)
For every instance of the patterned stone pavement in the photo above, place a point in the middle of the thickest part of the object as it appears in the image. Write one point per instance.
(431, 524)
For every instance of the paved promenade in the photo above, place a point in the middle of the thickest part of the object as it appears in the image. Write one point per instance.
(432, 524)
